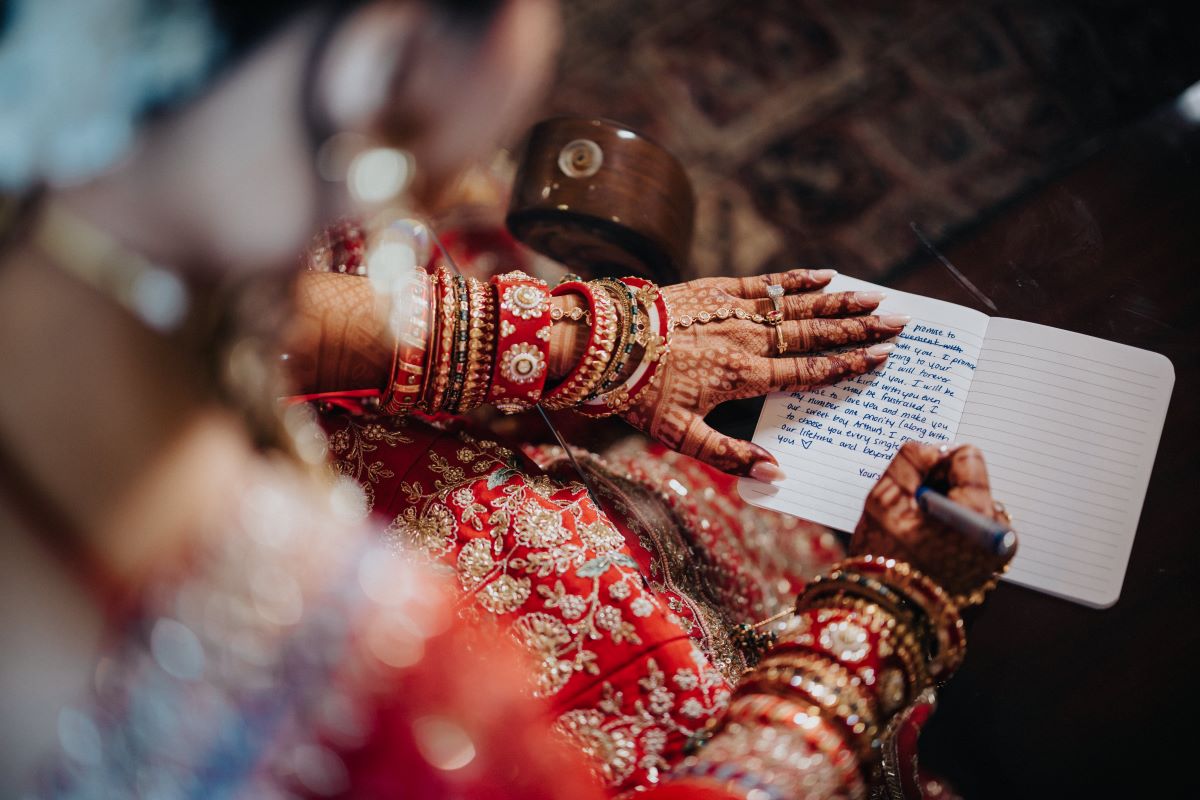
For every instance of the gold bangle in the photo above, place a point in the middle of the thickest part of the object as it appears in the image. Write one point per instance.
(949, 642)
(479, 346)
(586, 377)
(440, 378)
(830, 686)
(626, 307)
(458, 365)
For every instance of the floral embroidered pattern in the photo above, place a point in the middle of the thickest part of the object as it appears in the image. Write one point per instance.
(353, 445)
(508, 534)
(624, 732)
(535, 557)
(434, 532)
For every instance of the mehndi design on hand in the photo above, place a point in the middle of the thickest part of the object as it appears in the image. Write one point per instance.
(710, 364)
(893, 524)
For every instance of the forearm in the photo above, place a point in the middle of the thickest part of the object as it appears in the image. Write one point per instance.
(338, 339)
(823, 708)
(445, 343)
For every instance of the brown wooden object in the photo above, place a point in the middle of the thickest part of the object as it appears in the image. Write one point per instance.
(603, 200)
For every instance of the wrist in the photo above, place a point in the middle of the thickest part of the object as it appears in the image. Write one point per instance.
(568, 334)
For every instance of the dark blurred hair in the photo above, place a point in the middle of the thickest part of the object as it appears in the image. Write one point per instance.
(246, 24)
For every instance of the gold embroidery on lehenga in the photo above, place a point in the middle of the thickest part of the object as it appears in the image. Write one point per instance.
(676, 566)
(530, 527)
(352, 446)
(611, 735)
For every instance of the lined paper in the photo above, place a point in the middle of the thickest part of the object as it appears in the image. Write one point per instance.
(833, 442)
(1069, 425)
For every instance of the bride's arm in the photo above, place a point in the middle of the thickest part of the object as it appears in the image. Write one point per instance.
(836, 704)
(662, 359)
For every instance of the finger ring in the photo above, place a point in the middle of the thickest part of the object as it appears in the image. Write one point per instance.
(775, 294)
(1001, 511)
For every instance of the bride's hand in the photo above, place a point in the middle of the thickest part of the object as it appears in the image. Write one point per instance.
(893, 525)
(734, 358)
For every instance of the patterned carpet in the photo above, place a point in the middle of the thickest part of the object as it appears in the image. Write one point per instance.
(816, 130)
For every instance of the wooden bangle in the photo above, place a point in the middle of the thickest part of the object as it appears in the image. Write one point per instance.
(602, 199)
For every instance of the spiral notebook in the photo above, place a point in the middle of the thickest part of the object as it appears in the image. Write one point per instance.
(1069, 425)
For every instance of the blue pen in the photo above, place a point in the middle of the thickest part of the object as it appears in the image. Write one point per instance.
(994, 537)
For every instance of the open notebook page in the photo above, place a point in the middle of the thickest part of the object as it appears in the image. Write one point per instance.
(834, 441)
(1069, 425)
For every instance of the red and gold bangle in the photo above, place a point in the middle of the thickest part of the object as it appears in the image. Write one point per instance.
(750, 759)
(480, 338)
(522, 342)
(838, 694)
(866, 640)
(948, 647)
(839, 583)
(602, 337)
(411, 317)
(784, 712)
(439, 378)
(654, 336)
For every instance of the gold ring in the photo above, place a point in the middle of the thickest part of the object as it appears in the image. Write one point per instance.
(775, 294)
(774, 318)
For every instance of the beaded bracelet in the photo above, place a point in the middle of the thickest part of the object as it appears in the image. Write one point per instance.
(458, 370)
(602, 338)
(480, 336)
(412, 320)
(522, 342)
(654, 336)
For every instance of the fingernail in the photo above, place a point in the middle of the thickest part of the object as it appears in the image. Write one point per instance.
(767, 472)
(824, 274)
(869, 298)
(880, 350)
(895, 320)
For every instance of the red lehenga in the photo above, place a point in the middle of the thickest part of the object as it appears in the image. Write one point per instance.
(628, 612)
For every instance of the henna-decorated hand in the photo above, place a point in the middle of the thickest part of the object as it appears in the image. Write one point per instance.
(893, 525)
(733, 358)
